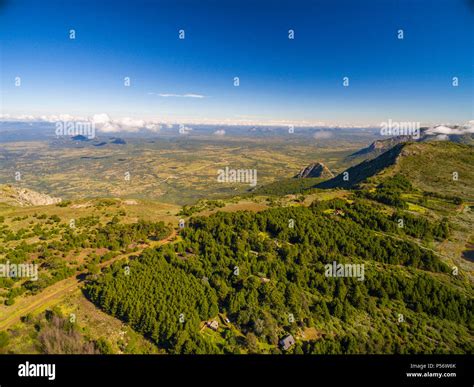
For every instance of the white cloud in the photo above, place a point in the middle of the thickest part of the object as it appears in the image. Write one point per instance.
(25, 117)
(193, 96)
(100, 118)
(62, 117)
(446, 130)
(105, 124)
(102, 122)
(183, 129)
(219, 132)
(167, 95)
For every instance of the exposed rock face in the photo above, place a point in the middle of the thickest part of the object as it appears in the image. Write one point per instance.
(315, 170)
(380, 146)
(25, 197)
(365, 169)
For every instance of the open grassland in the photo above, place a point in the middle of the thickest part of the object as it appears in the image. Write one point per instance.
(442, 167)
(168, 170)
(130, 211)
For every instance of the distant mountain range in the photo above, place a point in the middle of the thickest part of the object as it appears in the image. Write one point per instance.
(435, 166)
(458, 134)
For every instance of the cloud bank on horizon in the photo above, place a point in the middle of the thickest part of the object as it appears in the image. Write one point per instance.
(108, 122)
(105, 124)
(102, 122)
(446, 130)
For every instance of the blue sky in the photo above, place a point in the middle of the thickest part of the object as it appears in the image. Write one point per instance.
(280, 79)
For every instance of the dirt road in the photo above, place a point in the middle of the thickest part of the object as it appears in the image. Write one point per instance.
(52, 295)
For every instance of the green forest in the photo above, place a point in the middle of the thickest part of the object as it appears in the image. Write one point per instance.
(265, 272)
(58, 240)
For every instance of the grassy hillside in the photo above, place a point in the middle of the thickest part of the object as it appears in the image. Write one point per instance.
(178, 171)
(429, 166)
(287, 186)
(359, 173)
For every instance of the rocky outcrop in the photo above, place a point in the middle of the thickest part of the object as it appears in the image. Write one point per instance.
(315, 170)
(25, 197)
(379, 146)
